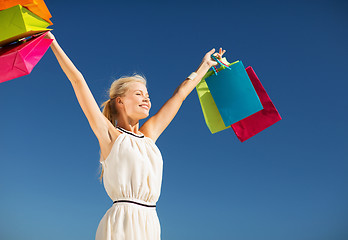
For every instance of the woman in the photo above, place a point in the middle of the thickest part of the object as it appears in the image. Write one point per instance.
(131, 162)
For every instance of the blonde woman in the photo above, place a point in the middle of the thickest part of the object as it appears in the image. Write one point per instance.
(131, 162)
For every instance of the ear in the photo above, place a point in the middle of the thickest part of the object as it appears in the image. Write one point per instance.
(118, 100)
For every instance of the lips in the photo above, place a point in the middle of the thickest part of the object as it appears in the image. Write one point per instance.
(145, 106)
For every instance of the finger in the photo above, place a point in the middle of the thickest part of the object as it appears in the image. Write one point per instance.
(223, 52)
(215, 63)
(218, 55)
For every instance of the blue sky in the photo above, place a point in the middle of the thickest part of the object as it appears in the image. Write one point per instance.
(288, 182)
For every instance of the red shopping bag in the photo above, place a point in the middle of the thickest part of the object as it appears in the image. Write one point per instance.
(259, 121)
(19, 59)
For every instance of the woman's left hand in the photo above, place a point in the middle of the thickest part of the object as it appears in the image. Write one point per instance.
(207, 60)
(49, 35)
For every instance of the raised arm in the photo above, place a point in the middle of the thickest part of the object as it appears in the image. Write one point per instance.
(159, 122)
(98, 122)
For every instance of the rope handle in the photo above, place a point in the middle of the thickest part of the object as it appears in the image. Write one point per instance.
(218, 61)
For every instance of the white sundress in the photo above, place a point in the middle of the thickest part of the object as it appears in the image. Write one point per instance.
(132, 172)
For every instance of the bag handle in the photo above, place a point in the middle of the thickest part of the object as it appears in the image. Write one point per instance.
(221, 63)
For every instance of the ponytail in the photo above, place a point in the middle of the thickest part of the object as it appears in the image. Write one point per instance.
(109, 110)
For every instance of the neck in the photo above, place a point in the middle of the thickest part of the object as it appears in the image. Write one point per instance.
(129, 125)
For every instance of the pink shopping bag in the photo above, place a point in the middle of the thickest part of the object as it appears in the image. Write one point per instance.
(19, 59)
(259, 121)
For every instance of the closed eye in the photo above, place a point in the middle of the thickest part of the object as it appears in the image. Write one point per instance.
(141, 93)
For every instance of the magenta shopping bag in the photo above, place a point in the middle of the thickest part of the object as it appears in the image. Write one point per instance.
(259, 121)
(19, 59)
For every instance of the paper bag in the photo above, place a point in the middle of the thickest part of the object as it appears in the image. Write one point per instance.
(211, 113)
(18, 22)
(233, 94)
(261, 120)
(37, 7)
(19, 59)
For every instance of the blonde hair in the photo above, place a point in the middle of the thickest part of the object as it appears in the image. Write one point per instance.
(118, 88)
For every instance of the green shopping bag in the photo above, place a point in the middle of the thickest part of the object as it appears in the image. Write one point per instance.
(17, 22)
(210, 111)
(37, 7)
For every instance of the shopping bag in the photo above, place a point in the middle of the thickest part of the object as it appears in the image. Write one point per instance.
(19, 59)
(261, 120)
(233, 93)
(211, 113)
(37, 7)
(18, 22)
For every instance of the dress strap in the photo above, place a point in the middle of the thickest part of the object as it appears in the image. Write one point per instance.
(129, 132)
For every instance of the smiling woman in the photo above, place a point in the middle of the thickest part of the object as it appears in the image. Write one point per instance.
(119, 89)
(131, 162)
(128, 93)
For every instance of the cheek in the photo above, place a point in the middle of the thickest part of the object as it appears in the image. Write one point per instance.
(130, 103)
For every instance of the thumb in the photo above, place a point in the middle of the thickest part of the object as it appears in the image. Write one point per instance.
(208, 54)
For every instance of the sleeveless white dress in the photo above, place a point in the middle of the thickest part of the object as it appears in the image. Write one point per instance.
(133, 172)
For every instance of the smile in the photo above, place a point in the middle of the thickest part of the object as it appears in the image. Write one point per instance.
(144, 106)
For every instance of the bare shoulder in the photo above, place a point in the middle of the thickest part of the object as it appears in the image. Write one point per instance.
(148, 131)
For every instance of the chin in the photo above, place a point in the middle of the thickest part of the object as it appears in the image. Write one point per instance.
(143, 112)
(143, 115)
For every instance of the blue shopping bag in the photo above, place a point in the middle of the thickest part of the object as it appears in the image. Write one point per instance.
(233, 93)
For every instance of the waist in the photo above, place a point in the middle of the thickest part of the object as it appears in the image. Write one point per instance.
(134, 202)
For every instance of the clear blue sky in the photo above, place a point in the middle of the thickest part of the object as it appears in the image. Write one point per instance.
(288, 182)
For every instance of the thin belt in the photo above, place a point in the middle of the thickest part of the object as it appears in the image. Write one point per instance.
(129, 201)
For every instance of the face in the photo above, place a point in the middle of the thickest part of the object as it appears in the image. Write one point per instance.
(136, 102)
